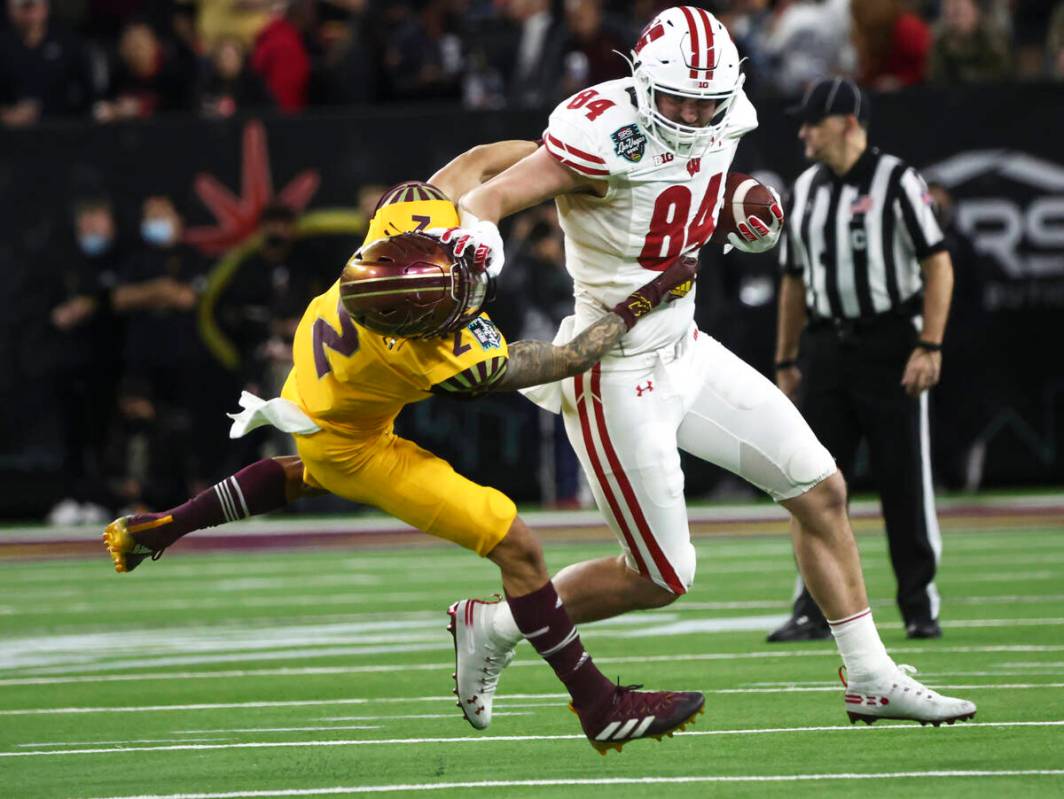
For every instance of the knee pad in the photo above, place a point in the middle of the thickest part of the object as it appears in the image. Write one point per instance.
(806, 461)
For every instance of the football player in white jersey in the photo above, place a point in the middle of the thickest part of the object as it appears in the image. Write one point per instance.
(637, 168)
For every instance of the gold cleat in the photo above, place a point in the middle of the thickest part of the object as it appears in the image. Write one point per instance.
(125, 550)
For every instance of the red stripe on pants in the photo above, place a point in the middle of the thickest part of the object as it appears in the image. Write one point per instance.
(596, 464)
(664, 567)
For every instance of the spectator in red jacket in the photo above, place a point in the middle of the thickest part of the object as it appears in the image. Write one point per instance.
(892, 44)
(280, 56)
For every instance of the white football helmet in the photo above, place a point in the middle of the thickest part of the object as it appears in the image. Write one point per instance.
(685, 51)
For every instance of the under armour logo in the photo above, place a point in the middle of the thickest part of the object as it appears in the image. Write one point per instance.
(639, 390)
(694, 165)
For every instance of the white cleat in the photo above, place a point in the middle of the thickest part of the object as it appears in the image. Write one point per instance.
(896, 695)
(478, 658)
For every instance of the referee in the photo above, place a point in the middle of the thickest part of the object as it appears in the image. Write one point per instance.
(867, 275)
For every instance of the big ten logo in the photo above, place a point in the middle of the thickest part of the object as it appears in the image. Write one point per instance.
(664, 158)
(1011, 207)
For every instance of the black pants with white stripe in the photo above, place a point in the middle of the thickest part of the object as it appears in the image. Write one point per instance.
(852, 390)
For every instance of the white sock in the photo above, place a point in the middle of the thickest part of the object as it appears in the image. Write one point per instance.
(859, 644)
(504, 628)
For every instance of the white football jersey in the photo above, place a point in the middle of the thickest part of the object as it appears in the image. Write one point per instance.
(658, 205)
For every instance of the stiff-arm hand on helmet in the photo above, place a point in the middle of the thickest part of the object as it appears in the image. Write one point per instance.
(756, 234)
(646, 298)
(484, 239)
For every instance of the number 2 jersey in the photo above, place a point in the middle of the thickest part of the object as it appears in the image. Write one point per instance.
(355, 381)
(658, 205)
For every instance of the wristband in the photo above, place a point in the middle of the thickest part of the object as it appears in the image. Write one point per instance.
(635, 306)
(929, 346)
(790, 363)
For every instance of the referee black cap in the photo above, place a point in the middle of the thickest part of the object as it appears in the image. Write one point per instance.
(832, 96)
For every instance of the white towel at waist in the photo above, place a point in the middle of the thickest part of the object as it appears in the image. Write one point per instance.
(279, 412)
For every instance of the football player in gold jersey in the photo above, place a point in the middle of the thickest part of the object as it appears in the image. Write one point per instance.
(404, 321)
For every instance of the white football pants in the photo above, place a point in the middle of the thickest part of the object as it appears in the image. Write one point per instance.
(628, 418)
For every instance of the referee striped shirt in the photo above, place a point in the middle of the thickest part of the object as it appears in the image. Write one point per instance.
(857, 239)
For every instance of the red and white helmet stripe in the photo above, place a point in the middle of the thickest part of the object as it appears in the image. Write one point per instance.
(703, 57)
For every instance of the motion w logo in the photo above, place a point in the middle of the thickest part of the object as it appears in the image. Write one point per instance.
(640, 390)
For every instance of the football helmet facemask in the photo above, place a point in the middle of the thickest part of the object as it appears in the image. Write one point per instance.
(685, 51)
(412, 286)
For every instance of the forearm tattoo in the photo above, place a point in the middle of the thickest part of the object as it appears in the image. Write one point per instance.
(532, 363)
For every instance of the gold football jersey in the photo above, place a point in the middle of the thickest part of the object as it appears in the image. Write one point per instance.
(350, 378)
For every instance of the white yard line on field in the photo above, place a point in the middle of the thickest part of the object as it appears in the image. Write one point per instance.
(753, 623)
(59, 654)
(510, 738)
(681, 780)
(309, 671)
(90, 663)
(243, 705)
(41, 745)
(227, 641)
(184, 739)
(1012, 577)
(341, 726)
(322, 600)
(436, 715)
(58, 711)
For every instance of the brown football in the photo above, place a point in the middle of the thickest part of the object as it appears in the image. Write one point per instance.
(744, 197)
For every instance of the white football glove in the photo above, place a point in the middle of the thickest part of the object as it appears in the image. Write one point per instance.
(483, 236)
(759, 235)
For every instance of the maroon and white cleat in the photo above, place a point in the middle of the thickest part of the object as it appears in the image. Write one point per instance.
(478, 657)
(896, 695)
(627, 714)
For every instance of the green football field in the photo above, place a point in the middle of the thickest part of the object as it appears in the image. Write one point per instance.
(327, 673)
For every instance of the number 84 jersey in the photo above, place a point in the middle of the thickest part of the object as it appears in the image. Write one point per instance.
(657, 207)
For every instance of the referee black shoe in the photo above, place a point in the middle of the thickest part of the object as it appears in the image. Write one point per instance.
(800, 628)
(923, 629)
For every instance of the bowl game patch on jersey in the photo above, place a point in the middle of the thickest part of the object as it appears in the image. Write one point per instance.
(629, 142)
(485, 333)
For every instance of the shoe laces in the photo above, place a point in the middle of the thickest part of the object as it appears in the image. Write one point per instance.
(634, 699)
(493, 666)
(907, 683)
(626, 688)
(489, 680)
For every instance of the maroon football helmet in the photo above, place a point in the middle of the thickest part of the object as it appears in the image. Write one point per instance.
(412, 286)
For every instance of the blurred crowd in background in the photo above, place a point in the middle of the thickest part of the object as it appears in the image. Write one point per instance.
(139, 384)
(134, 327)
(121, 59)
(135, 322)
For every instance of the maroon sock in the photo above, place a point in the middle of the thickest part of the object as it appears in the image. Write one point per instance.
(541, 617)
(258, 488)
